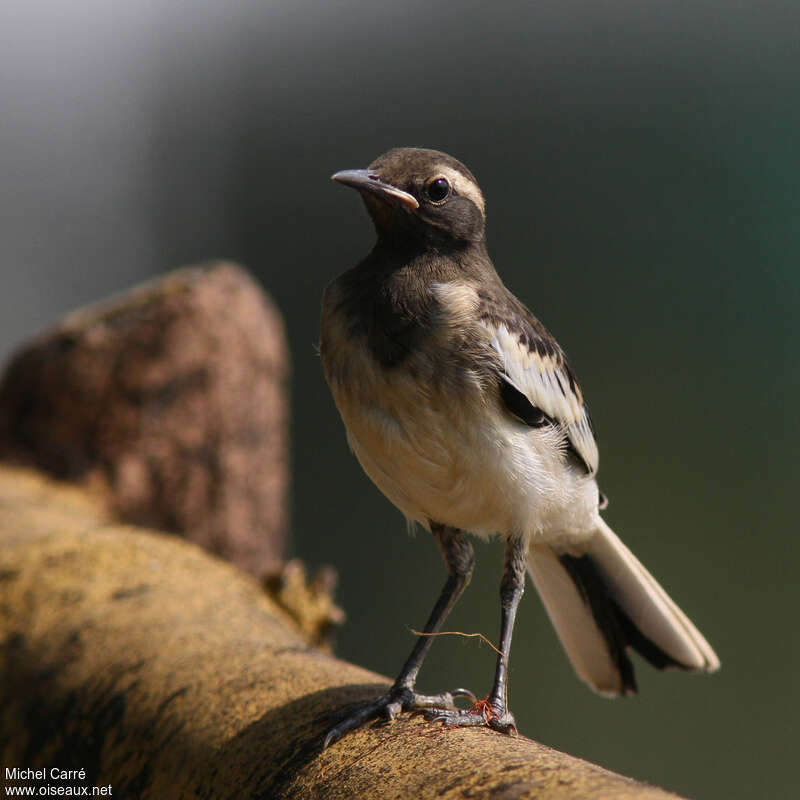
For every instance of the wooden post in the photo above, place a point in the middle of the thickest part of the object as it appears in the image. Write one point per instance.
(164, 673)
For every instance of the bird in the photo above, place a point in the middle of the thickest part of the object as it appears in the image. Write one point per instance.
(464, 411)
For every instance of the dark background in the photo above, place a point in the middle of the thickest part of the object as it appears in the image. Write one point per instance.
(641, 166)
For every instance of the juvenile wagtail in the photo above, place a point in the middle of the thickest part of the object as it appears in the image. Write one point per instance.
(465, 413)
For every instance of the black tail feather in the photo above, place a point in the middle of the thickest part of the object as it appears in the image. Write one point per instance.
(617, 628)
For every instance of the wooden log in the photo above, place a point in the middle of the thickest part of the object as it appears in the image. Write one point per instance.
(165, 673)
(171, 402)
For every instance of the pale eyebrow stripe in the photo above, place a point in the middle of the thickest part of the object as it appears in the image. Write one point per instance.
(463, 186)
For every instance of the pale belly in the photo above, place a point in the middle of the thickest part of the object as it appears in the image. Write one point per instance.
(453, 456)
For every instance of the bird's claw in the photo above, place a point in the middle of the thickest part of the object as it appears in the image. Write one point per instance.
(394, 702)
(464, 693)
(482, 713)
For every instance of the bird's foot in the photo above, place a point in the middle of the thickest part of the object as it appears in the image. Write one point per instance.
(488, 712)
(395, 701)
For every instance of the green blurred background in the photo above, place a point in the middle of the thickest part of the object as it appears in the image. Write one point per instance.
(641, 166)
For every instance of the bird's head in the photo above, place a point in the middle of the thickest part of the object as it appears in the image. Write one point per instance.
(420, 194)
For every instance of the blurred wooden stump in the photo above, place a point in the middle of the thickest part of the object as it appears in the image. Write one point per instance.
(171, 403)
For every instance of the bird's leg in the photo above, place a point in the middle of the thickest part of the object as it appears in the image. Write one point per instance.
(494, 710)
(512, 587)
(460, 558)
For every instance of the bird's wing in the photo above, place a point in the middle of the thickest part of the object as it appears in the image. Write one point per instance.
(537, 384)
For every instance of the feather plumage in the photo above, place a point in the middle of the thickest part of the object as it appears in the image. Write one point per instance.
(535, 365)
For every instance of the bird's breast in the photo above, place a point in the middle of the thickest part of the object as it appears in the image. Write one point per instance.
(405, 421)
(431, 434)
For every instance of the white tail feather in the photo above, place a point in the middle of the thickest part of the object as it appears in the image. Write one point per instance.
(635, 592)
(582, 640)
(650, 608)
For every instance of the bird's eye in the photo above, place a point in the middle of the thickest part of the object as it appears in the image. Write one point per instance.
(437, 190)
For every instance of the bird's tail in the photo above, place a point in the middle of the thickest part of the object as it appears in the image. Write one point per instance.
(604, 602)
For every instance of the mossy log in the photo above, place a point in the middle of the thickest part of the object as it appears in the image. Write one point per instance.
(164, 672)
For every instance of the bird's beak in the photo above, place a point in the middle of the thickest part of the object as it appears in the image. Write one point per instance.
(366, 181)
